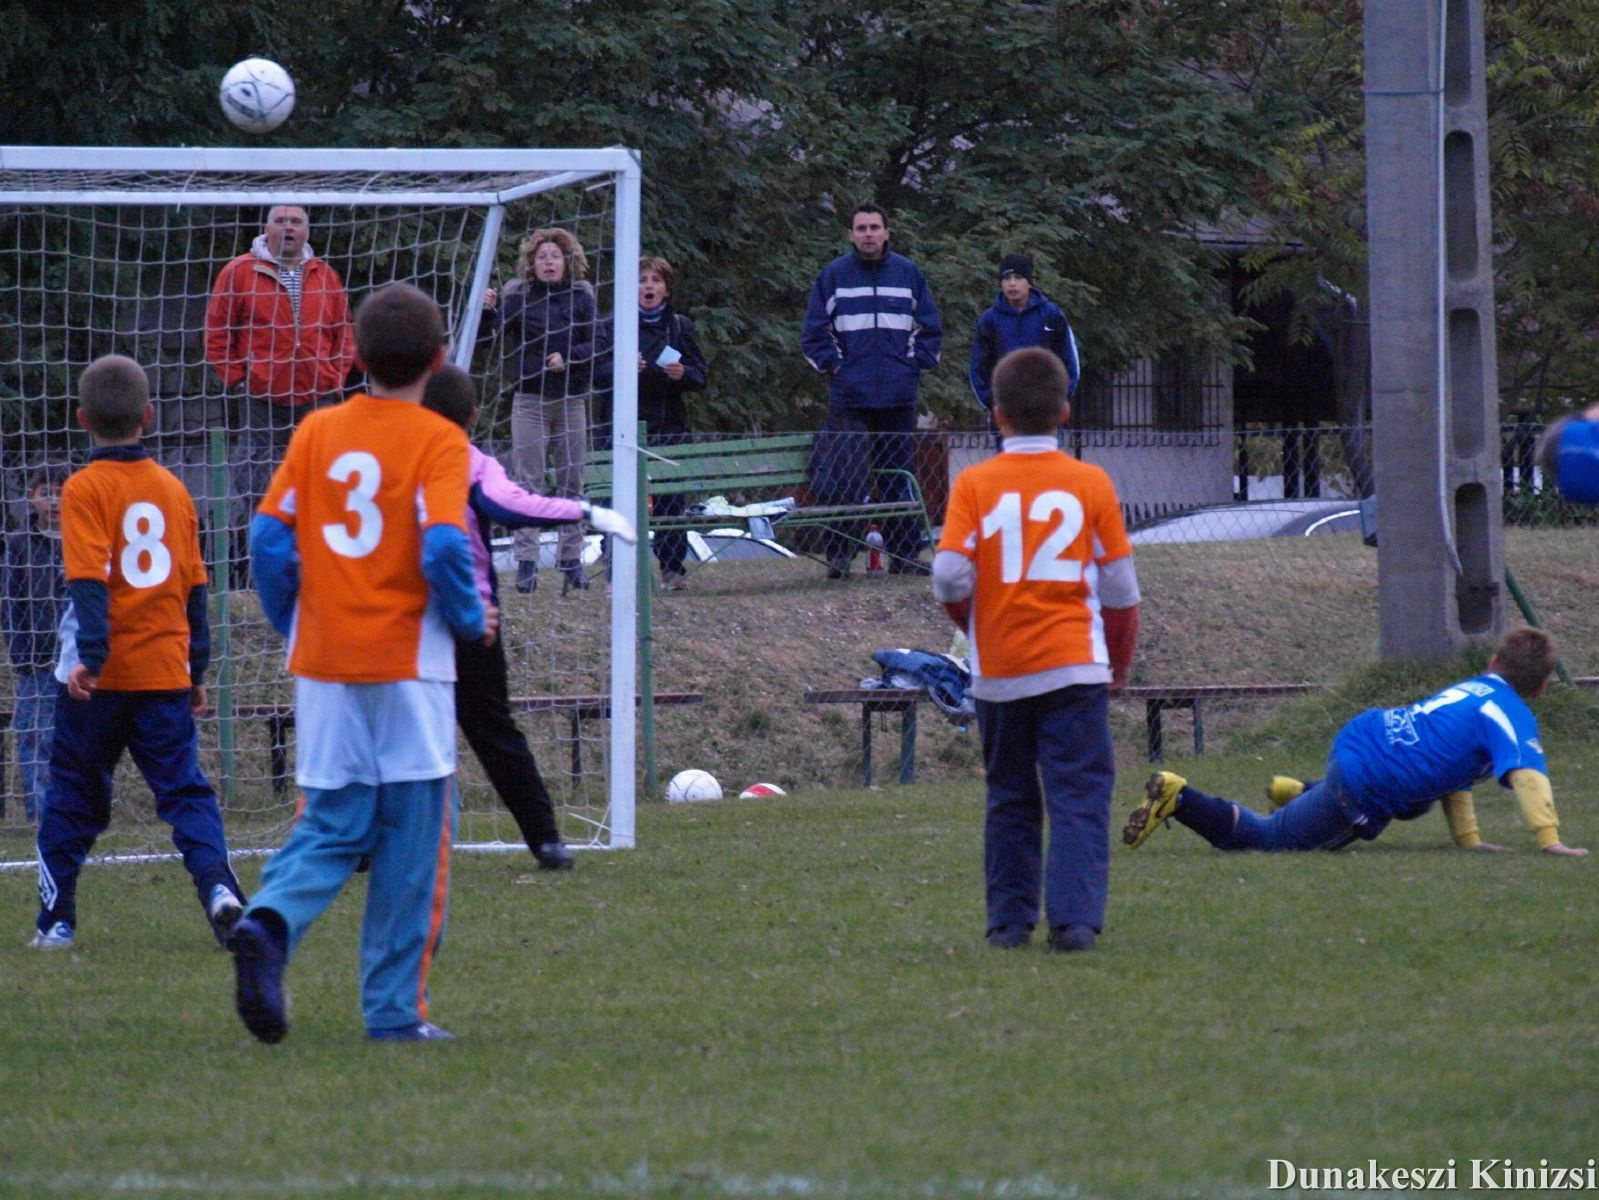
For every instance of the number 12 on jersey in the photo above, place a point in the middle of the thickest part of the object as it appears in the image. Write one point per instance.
(1047, 564)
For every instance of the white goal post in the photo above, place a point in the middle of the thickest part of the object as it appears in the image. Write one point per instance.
(114, 250)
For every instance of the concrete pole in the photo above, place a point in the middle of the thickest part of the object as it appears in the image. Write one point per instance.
(1435, 404)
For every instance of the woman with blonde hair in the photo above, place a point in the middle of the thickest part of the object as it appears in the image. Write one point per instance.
(547, 322)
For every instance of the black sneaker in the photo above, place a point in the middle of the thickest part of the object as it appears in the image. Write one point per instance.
(838, 568)
(554, 856)
(1070, 938)
(527, 577)
(908, 566)
(574, 576)
(258, 958)
(1009, 937)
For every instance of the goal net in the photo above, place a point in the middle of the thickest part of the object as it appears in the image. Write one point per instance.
(119, 250)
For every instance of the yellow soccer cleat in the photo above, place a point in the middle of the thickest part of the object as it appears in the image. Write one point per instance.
(1282, 789)
(1160, 801)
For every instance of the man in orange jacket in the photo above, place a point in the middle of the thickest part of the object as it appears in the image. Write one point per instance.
(277, 334)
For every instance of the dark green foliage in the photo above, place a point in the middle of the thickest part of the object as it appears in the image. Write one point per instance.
(1077, 131)
(1543, 93)
(1096, 134)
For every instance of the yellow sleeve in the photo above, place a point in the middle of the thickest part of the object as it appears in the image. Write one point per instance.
(1537, 800)
(1462, 817)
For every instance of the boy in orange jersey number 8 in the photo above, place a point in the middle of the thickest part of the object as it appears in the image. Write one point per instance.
(135, 647)
(1035, 566)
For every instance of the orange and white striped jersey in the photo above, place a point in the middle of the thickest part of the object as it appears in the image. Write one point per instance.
(131, 524)
(1037, 528)
(359, 484)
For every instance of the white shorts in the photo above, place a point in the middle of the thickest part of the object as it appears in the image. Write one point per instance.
(373, 732)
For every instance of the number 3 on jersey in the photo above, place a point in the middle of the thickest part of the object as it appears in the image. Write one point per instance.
(368, 475)
(1047, 565)
(145, 562)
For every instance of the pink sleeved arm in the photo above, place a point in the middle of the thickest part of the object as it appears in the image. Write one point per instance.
(505, 501)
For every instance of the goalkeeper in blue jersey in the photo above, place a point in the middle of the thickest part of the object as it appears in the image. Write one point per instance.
(1394, 764)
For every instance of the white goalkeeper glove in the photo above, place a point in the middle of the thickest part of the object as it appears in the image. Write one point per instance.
(608, 520)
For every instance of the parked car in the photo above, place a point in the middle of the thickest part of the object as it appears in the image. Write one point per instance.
(1260, 519)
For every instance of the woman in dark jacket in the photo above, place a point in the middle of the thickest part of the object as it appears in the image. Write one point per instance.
(546, 322)
(670, 364)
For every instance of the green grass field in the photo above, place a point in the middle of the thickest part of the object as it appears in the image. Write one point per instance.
(792, 998)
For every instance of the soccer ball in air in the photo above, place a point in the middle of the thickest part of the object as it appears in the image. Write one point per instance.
(689, 786)
(761, 789)
(257, 95)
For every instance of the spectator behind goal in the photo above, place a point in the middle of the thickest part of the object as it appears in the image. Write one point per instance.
(670, 366)
(548, 322)
(34, 587)
(277, 334)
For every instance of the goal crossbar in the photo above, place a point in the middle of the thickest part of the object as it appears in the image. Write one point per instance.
(81, 176)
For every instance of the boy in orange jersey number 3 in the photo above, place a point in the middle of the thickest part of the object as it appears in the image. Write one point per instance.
(1034, 564)
(361, 558)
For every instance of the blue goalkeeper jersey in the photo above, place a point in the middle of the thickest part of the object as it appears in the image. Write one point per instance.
(1395, 758)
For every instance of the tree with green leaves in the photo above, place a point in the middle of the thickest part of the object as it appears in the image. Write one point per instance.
(1543, 101)
(1078, 131)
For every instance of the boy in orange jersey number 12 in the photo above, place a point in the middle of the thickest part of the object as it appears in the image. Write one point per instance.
(362, 561)
(1034, 564)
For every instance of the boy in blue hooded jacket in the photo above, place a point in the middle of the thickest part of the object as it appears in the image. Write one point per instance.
(1021, 315)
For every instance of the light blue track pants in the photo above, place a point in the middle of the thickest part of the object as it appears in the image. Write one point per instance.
(407, 828)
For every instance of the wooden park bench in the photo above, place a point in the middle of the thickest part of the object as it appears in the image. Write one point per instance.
(881, 700)
(1157, 699)
(750, 470)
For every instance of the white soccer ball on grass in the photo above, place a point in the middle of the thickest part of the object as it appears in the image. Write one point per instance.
(257, 95)
(690, 786)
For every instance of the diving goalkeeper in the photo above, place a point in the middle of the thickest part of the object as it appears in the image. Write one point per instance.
(1396, 763)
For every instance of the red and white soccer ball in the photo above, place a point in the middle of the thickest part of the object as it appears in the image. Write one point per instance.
(756, 790)
(257, 95)
(687, 787)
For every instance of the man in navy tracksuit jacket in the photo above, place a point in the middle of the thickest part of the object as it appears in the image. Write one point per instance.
(1021, 316)
(871, 325)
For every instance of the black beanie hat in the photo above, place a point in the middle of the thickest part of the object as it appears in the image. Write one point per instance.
(1016, 264)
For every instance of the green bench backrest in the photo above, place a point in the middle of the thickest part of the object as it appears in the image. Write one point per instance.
(782, 460)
